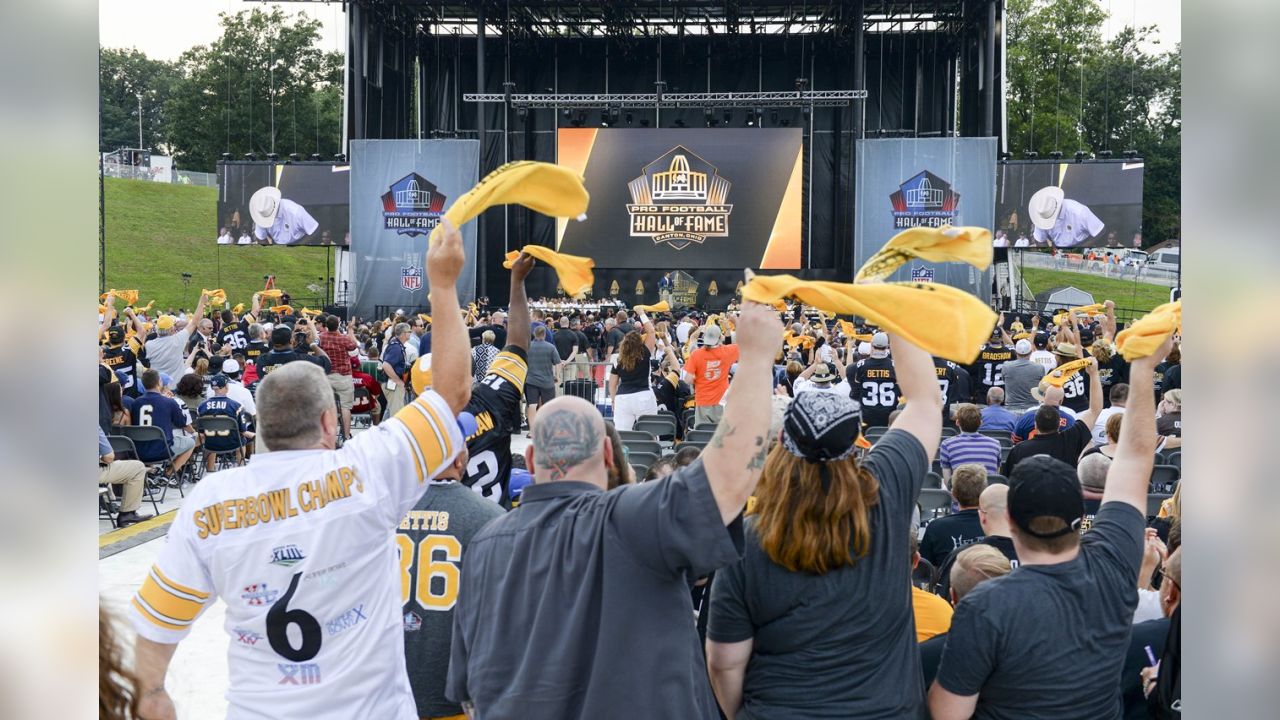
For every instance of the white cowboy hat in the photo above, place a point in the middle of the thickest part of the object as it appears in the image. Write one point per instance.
(263, 206)
(1045, 206)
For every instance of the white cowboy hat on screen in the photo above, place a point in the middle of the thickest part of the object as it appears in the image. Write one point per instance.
(1045, 206)
(263, 206)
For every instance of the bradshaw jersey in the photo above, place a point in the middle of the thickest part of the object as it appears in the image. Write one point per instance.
(495, 403)
(875, 385)
(299, 544)
(985, 372)
(433, 539)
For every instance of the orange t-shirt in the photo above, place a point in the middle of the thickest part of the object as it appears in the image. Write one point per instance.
(709, 368)
(933, 614)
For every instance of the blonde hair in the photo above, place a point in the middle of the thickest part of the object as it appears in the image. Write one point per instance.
(803, 527)
(974, 565)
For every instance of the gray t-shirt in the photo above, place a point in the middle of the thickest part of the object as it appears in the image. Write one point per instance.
(839, 645)
(1050, 640)
(441, 527)
(165, 354)
(542, 360)
(1019, 377)
(576, 604)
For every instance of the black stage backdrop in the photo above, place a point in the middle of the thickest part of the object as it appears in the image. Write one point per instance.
(909, 78)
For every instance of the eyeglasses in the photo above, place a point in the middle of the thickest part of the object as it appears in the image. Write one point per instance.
(1166, 576)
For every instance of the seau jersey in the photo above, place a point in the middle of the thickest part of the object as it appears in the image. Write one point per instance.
(299, 545)
(495, 403)
(875, 385)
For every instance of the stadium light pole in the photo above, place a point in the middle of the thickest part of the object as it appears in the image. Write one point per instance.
(140, 122)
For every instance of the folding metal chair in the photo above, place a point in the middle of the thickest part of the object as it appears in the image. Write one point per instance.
(146, 433)
(105, 501)
(362, 397)
(222, 427)
(637, 435)
(995, 479)
(1164, 478)
(124, 449)
(642, 458)
(699, 436)
(663, 427)
(949, 431)
(649, 446)
(931, 500)
(1154, 501)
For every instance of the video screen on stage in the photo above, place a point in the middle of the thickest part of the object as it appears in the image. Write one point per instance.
(696, 198)
(271, 203)
(1068, 204)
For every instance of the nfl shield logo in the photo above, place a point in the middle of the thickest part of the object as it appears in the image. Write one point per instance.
(411, 278)
(922, 274)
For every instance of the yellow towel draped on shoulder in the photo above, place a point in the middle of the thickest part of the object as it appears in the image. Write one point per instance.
(1064, 372)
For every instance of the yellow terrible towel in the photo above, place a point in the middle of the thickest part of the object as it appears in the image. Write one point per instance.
(271, 294)
(1064, 372)
(1094, 309)
(543, 187)
(659, 307)
(939, 319)
(128, 296)
(217, 297)
(1144, 336)
(574, 272)
(970, 245)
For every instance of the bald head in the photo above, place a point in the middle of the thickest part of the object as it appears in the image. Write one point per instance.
(995, 396)
(569, 443)
(1052, 396)
(991, 510)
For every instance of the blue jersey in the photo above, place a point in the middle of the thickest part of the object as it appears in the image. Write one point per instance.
(155, 410)
(225, 407)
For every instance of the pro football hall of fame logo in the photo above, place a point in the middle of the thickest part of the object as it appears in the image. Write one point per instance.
(925, 200)
(412, 206)
(679, 199)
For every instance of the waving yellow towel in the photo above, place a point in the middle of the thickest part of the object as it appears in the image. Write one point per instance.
(1094, 309)
(659, 307)
(1064, 372)
(239, 308)
(217, 297)
(129, 297)
(271, 294)
(424, 318)
(970, 245)
(546, 188)
(309, 311)
(939, 319)
(574, 272)
(1144, 336)
(282, 310)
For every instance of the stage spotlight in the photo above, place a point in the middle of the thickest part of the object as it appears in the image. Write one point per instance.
(251, 157)
(773, 117)
(709, 116)
(679, 122)
(273, 157)
(604, 118)
(1081, 155)
(522, 113)
(1055, 155)
(807, 110)
(566, 113)
(226, 157)
(294, 157)
(751, 118)
(1032, 155)
(1131, 154)
(340, 157)
(1104, 154)
(615, 114)
(579, 118)
(728, 116)
(1006, 156)
(628, 118)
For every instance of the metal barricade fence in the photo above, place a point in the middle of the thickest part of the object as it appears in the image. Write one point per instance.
(587, 380)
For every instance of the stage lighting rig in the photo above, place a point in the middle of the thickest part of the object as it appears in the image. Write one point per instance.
(251, 157)
(1031, 155)
(1055, 155)
(1104, 154)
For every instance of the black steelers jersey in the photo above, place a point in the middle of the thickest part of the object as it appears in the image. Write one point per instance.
(235, 335)
(953, 383)
(875, 385)
(495, 403)
(255, 349)
(985, 372)
(124, 359)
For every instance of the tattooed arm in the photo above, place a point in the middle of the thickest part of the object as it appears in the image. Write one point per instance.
(735, 456)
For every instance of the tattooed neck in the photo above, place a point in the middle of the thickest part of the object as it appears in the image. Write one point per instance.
(563, 440)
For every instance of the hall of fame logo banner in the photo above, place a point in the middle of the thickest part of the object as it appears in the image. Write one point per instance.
(679, 199)
(925, 200)
(412, 206)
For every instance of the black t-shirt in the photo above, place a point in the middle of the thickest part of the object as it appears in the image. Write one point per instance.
(949, 533)
(1116, 371)
(999, 542)
(495, 403)
(839, 645)
(499, 334)
(613, 339)
(1172, 379)
(1151, 633)
(1091, 508)
(564, 340)
(930, 656)
(636, 379)
(1065, 445)
(1050, 640)
(275, 358)
(874, 384)
(105, 378)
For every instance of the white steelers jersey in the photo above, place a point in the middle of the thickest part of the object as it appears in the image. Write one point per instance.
(300, 546)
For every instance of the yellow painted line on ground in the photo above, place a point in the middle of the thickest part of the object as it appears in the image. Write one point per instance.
(121, 534)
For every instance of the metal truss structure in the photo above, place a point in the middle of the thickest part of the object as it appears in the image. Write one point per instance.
(831, 98)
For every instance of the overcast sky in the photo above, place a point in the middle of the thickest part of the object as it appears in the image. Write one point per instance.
(165, 28)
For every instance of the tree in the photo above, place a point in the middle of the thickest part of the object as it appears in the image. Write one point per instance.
(123, 75)
(263, 86)
(1069, 89)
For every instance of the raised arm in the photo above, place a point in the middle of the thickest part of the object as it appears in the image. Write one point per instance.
(1090, 416)
(736, 453)
(519, 326)
(922, 416)
(107, 316)
(1130, 473)
(195, 318)
(650, 337)
(450, 346)
(257, 306)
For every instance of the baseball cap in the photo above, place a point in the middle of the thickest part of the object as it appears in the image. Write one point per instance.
(420, 375)
(1041, 486)
(165, 380)
(115, 334)
(281, 335)
(880, 341)
(165, 322)
(1022, 347)
(864, 348)
(824, 374)
(520, 479)
(230, 366)
(1042, 340)
(218, 381)
(711, 336)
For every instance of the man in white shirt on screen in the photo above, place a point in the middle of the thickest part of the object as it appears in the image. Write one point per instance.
(1066, 223)
(278, 220)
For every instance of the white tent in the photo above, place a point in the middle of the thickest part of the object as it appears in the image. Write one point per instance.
(1062, 298)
